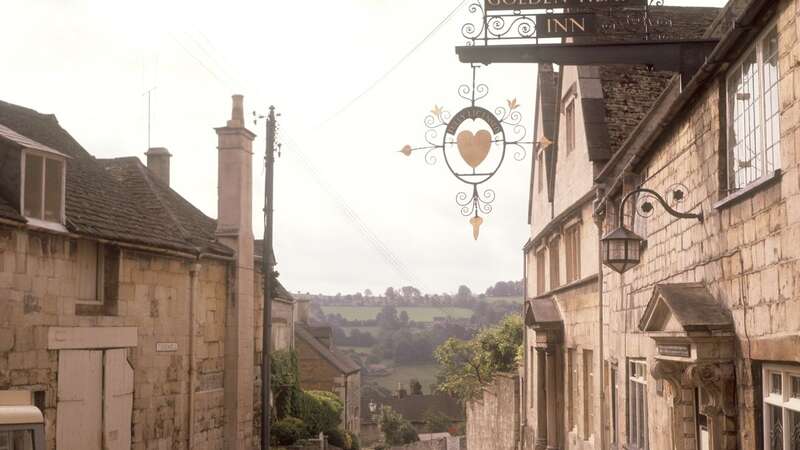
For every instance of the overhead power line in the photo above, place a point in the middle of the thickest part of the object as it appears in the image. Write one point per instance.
(399, 62)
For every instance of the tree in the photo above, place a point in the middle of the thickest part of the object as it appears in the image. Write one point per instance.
(466, 366)
(403, 317)
(463, 292)
(387, 317)
(415, 386)
(390, 294)
(396, 429)
(367, 293)
(410, 292)
(436, 421)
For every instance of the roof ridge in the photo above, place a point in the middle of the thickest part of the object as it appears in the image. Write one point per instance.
(151, 185)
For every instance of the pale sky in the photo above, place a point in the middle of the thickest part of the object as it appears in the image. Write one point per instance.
(90, 61)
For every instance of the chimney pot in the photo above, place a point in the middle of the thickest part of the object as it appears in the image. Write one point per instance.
(158, 163)
(237, 112)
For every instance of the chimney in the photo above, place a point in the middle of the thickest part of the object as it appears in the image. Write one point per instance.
(158, 163)
(235, 230)
(301, 310)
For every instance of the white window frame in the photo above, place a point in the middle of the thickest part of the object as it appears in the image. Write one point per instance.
(570, 124)
(635, 380)
(783, 400)
(36, 221)
(761, 151)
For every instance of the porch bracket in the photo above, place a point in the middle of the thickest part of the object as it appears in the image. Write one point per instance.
(681, 56)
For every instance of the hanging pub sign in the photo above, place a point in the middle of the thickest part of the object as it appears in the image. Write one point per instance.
(565, 25)
(518, 5)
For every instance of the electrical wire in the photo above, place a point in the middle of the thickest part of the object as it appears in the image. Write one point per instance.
(383, 77)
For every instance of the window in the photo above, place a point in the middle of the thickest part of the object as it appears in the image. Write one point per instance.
(555, 278)
(43, 192)
(782, 408)
(569, 125)
(753, 114)
(540, 174)
(540, 288)
(98, 276)
(572, 250)
(637, 405)
(572, 378)
(588, 394)
(613, 390)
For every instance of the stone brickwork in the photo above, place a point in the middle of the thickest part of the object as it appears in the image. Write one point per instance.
(746, 251)
(493, 419)
(433, 444)
(38, 290)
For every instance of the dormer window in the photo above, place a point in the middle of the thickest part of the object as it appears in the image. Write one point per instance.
(43, 187)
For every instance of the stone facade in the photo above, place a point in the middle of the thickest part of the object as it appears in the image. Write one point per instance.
(700, 338)
(493, 420)
(169, 315)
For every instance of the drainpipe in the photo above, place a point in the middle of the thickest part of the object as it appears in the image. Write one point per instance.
(193, 271)
(598, 220)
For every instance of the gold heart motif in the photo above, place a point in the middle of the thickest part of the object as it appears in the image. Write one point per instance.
(474, 148)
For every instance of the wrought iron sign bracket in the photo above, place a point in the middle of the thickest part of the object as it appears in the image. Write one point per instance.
(645, 208)
(683, 56)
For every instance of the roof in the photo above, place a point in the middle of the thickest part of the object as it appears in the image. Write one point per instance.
(340, 361)
(630, 91)
(542, 311)
(114, 199)
(415, 407)
(10, 135)
(691, 304)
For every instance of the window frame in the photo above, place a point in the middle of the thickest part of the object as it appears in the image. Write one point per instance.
(783, 400)
(41, 221)
(541, 274)
(569, 124)
(572, 252)
(638, 436)
(554, 255)
(735, 70)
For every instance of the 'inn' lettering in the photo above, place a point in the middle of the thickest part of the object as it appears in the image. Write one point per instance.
(565, 25)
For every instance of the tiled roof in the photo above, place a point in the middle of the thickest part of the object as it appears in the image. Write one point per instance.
(114, 199)
(630, 91)
(340, 361)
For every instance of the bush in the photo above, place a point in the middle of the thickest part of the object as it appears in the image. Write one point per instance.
(319, 410)
(340, 438)
(287, 431)
(396, 429)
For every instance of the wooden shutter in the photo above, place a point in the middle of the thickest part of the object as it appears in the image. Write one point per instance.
(117, 401)
(78, 410)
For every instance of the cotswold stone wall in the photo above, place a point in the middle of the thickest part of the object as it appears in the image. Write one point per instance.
(493, 419)
(39, 275)
(746, 251)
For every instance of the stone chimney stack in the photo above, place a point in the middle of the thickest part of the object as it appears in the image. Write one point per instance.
(235, 230)
(158, 163)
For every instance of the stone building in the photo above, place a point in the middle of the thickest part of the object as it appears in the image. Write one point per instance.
(124, 309)
(700, 338)
(324, 368)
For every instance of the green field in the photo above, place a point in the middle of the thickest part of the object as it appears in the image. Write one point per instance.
(415, 313)
(425, 373)
(514, 300)
(375, 331)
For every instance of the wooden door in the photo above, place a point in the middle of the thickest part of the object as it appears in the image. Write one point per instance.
(79, 407)
(117, 400)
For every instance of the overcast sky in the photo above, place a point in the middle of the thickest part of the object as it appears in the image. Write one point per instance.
(351, 212)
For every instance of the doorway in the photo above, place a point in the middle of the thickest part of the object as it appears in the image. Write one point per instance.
(95, 400)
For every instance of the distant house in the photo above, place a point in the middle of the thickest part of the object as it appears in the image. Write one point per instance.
(414, 408)
(323, 367)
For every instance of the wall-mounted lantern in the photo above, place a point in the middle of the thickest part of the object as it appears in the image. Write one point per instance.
(622, 248)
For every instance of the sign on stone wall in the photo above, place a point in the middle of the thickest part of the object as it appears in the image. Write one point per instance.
(674, 350)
